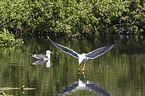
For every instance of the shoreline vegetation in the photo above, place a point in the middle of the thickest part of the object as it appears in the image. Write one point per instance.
(7, 39)
(70, 18)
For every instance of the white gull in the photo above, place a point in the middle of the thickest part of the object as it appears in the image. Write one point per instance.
(84, 56)
(42, 56)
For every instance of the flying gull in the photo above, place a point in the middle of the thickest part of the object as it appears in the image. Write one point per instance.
(84, 56)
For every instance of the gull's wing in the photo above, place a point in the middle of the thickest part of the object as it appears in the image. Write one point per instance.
(39, 56)
(98, 52)
(65, 49)
(92, 86)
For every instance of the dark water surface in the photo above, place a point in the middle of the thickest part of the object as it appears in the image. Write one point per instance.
(120, 72)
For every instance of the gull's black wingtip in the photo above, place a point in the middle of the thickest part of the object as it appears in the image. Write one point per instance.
(48, 37)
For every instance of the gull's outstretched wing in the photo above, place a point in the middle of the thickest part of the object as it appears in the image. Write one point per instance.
(65, 49)
(98, 52)
(92, 86)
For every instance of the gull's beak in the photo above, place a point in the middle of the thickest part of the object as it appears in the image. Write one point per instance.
(51, 52)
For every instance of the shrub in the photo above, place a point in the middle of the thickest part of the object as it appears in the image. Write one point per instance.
(72, 17)
(7, 39)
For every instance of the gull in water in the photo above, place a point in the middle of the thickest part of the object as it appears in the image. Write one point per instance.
(84, 56)
(42, 56)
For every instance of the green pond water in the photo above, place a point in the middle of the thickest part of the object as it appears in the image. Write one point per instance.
(119, 72)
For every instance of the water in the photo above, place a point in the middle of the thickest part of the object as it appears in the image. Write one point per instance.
(120, 72)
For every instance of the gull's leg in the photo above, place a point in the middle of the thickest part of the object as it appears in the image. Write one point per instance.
(83, 74)
(4, 93)
(78, 72)
(84, 64)
(79, 67)
(83, 67)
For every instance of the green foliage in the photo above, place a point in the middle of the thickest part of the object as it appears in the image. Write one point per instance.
(7, 39)
(72, 17)
(120, 17)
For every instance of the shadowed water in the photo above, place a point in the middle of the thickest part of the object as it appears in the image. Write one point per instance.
(119, 72)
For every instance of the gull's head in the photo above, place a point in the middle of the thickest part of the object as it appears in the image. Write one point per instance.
(48, 52)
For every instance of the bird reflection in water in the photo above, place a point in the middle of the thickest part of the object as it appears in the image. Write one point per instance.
(43, 59)
(83, 84)
(42, 62)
